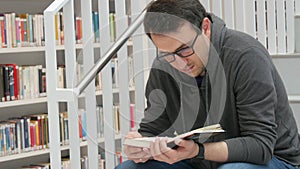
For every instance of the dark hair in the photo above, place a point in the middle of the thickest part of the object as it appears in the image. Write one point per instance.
(164, 16)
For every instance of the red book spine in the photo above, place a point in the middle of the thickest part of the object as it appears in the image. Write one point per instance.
(3, 34)
(132, 116)
(80, 126)
(32, 135)
(22, 31)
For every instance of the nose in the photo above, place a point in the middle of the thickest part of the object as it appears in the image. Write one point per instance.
(181, 62)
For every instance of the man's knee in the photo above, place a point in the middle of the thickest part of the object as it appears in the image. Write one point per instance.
(238, 166)
(127, 165)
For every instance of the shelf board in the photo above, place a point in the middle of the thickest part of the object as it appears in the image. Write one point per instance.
(115, 91)
(23, 102)
(283, 56)
(45, 151)
(24, 155)
(38, 49)
(42, 48)
(44, 99)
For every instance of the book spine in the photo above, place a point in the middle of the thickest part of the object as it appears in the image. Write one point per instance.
(2, 96)
(26, 32)
(84, 125)
(66, 128)
(27, 133)
(46, 132)
(20, 74)
(57, 32)
(32, 136)
(61, 125)
(30, 26)
(7, 133)
(35, 30)
(44, 84)
(2, 25)
(40, 79)
(4, 139)
(43, 132)
(132, 126)
(11, 82)
(117, 119)
(13, 30)
(42, 30)
(1, 141)
(1, 18)
(14, 81)
(112, 26)
(37, 135)
(8, 30)
(6, 83)
(36, 92)
(18, 136)
(98, 121)
(22, 133)
(80, 125)
(18, 31)
(13, 137)
(17, 82)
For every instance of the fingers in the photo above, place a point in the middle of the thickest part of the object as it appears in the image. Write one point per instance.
(141, 160)
(132, 150)
(133, 134)
(141, 156)
(138, 155)
(161, 152)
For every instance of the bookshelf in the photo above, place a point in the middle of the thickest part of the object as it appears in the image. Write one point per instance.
(45, 151)
(19, 108)
(36, 56)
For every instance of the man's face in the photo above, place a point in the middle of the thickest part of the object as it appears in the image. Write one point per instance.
(185, 37)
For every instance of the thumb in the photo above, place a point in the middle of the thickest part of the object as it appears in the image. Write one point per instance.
(179, 142)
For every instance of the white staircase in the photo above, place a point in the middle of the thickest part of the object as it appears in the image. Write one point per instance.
(239, 14)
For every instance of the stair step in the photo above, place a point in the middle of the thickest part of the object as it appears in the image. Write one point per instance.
(286, 56)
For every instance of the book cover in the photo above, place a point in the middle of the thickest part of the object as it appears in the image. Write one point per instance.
(194, 134)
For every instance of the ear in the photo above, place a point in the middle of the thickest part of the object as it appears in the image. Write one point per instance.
(206, 27)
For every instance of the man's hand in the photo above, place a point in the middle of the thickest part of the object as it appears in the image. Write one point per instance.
(138, 155)
(186, 149)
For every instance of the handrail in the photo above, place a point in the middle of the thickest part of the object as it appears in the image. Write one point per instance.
(56, 6)
(294, 98)
(101, 62)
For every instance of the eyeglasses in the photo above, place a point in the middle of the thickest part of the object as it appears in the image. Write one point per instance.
(182, 52)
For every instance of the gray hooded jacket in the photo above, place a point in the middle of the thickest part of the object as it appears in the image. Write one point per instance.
(241, 90)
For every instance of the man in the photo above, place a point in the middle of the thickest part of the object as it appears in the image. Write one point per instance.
(206, 74)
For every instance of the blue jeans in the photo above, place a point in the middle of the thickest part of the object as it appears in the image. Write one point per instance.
(152, 164)
(275, 163)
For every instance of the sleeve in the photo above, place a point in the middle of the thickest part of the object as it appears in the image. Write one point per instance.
(156, 121)
(256, 99)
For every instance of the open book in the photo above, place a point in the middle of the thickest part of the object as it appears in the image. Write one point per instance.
(194, 134)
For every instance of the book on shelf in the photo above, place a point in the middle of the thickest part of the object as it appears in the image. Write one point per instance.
(27, 30)
(22, 134)
(2, 96)
(194, 134)
(22, 82)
